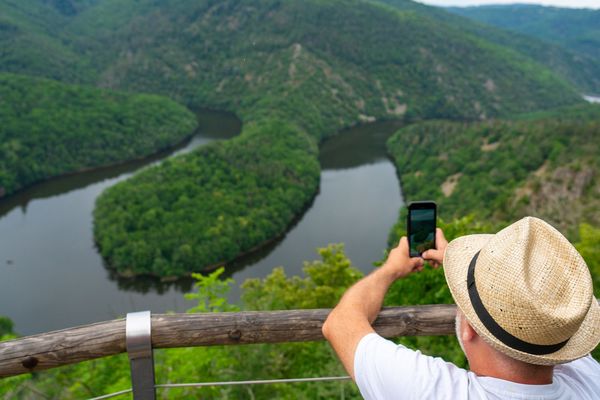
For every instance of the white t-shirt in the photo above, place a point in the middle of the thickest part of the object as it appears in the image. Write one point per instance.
(385, 370)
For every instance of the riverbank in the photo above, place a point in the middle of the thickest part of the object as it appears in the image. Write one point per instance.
(47, 234)
(51, 129)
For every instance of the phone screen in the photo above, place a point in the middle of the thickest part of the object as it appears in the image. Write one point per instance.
(421, 228)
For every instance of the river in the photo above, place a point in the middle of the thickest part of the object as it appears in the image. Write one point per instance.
(592, 99)
(52, 276)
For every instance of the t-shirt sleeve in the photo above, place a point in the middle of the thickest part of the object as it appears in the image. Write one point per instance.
(585, 371)
(385, 370)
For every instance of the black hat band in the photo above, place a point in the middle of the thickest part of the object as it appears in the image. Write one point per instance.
(492, 326)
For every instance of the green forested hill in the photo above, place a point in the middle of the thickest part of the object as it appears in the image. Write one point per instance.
(294, 72)
(307, 69)
(575, 29)
(544, 164)
(33, 42)
(49, 128)
(578, 66)
(189, 50)
(352, 57)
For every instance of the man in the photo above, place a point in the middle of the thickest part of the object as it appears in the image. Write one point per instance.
(526, 320)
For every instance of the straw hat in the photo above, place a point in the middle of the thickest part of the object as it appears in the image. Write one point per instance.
(526, 291)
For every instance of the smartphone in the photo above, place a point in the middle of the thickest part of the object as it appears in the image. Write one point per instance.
(420, 226)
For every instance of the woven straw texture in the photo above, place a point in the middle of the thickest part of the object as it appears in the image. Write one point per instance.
(533, 283)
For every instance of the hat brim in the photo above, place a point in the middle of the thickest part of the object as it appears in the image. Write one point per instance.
(456, 264)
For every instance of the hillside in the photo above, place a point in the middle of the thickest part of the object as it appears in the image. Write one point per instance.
(33, 42)
(543, 164)
(574, 29)
(294, 73)
(50, 129)
(580, 68)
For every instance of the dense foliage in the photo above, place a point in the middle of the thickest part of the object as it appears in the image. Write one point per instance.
(323, 285)
(295, 72)
(542, 164)
(238, 54)
(49, 128)
(325, 281)
(332, 67)
(573, 28)
(337, 53)
(317, 65)
(208, 206)
(582, 69)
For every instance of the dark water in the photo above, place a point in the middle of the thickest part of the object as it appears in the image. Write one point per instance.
(51, 276)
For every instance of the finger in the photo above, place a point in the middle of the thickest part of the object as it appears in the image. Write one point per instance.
(417, 262)
(439, 236)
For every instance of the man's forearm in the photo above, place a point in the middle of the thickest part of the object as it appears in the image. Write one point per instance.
(365, 298)
(351, 319)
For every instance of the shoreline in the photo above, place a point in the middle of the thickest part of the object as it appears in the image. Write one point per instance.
(157, 154)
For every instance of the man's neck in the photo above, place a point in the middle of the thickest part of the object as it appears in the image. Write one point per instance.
(489, 362)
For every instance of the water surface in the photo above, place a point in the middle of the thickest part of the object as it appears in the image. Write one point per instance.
(592, 99)
(52, 276)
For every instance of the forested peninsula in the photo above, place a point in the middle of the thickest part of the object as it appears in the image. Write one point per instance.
(50, 128)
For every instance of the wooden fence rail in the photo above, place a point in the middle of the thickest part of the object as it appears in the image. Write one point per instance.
(68, 346)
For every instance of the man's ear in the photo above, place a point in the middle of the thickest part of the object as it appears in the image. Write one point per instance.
(468, 334)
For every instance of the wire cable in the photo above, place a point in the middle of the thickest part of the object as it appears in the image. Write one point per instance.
(115, 394)
(255, 382)
(231, 383)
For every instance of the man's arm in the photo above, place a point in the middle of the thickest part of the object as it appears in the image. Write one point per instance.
(351, 319)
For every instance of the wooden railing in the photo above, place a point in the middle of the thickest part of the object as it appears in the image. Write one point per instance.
(142, 332)
(68, 346)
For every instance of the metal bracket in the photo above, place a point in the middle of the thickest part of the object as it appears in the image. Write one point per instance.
(138, 339)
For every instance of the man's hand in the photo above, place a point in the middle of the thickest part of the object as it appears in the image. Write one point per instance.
(351, 320)
(436, 256)
(400, 262)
